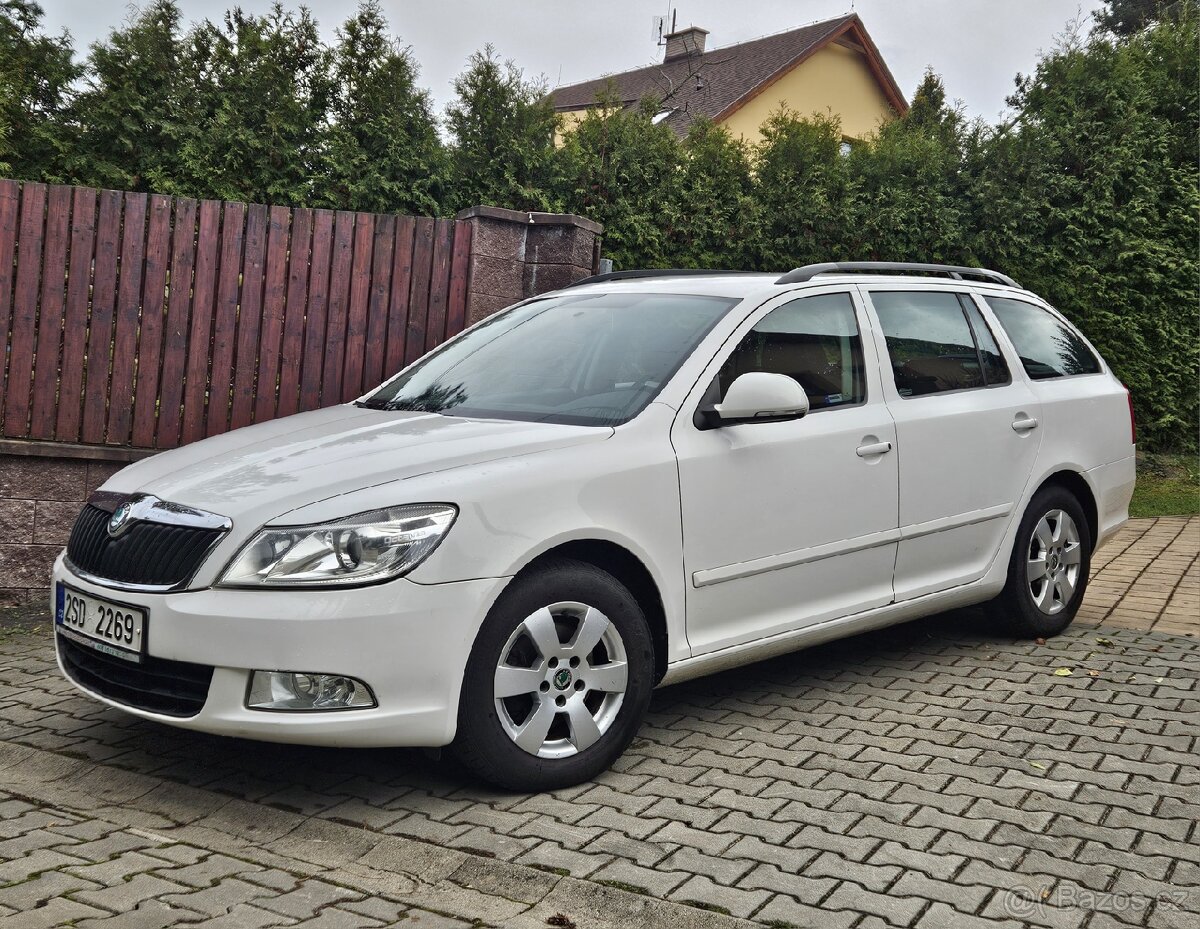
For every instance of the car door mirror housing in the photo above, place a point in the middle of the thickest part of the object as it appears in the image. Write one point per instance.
(759, 396)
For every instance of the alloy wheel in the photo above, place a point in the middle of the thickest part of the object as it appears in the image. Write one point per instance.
(1052, 570)
(560, 680)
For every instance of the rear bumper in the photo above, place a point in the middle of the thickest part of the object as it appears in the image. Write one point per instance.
(1113, 485)
(409, 642)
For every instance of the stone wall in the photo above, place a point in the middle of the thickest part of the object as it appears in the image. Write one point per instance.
(40, 497)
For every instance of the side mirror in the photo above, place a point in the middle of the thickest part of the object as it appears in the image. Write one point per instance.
(759, 396)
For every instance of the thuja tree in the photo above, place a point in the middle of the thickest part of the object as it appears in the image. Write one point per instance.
(255, 93)
(620, 167)
(382, 151)
(36, 73)
(800, 188)
(1091, 197)
(129, 112)
(502, 127)
(716, 214)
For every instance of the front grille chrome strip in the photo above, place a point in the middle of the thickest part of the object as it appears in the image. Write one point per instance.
(122, 585)
(149, 508)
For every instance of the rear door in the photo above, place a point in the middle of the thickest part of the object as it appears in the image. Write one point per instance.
(968, 431)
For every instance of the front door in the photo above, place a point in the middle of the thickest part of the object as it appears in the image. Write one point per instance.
(968, 434)
(789, 523)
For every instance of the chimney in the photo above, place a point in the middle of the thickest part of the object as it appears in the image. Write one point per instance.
(686, 43)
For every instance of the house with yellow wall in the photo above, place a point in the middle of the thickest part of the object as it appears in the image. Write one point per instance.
(831, 68)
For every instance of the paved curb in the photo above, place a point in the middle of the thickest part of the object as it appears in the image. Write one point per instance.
(423, 875)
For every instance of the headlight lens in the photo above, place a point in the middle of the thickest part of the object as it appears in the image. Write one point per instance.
(362, 549)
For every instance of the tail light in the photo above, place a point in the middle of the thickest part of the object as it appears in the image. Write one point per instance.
(1132, 418)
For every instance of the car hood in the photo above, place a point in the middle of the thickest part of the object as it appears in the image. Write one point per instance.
(262, 472)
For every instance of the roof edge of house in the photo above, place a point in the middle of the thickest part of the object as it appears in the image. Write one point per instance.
(839, 26)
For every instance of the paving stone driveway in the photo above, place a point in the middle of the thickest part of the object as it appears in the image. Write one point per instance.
(936, 774)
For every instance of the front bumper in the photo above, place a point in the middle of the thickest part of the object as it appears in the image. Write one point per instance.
(410, 642)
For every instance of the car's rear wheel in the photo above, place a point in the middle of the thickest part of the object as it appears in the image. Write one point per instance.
(1048, 570)
(558, 680)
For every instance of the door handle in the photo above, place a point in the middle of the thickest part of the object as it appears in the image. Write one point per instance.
(1025, 424)
(874, 449)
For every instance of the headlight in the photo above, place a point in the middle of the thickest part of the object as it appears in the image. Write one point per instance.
(362, 549)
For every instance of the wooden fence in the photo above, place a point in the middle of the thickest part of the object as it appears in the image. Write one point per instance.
(148, 321)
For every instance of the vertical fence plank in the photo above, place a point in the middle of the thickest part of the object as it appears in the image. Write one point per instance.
(158, 252)
(100, 328)
(318, 309)
(460, 264)
(249, 316)
(10, 193)
(146, 320)
(377, 303)
(439, 283)
(25, 303)
(274, 301)
(339, 296)
(125, 332)
(356, 316)
(418, 302)
(292, 348)
(43, 416)
(397, 328)
(75, 315)
(183, 262)
(229, 279)
(204, 289)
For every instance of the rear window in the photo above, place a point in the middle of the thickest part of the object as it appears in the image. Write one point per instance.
(1047, 347)
(935, 345)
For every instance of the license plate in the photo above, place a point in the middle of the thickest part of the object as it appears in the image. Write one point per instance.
(113, 628)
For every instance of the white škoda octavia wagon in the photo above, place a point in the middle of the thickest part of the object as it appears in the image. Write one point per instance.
(640, 479)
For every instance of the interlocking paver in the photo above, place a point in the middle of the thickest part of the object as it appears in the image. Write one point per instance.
(914, 776)
(702, 890)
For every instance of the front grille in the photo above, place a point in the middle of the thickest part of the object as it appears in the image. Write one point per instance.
(172, 688)
(147, 553)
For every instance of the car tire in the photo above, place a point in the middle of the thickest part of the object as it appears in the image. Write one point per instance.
(558, 680)
(1048, 569)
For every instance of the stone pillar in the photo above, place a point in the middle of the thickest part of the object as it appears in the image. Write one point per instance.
(518, 255)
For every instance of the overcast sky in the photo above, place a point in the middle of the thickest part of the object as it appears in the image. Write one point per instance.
(977, 45)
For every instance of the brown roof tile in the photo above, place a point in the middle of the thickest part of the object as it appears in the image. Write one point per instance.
(713, 83)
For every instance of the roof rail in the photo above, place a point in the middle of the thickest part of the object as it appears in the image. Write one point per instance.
(808, 272)
(650, 272)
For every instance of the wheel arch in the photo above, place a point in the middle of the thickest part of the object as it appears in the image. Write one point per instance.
(630, 570)
(1077, 485)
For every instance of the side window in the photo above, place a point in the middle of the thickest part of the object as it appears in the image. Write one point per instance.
(995, 368)
(930, 342)
(814, 340)
(1047, 347)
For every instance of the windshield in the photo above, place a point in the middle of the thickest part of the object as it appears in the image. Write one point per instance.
(589, 359)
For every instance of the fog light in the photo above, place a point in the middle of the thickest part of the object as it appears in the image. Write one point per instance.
(304, 690)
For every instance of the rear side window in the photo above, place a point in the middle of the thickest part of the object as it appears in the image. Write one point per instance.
(932, 342)
(1047, 347)
(813, 340)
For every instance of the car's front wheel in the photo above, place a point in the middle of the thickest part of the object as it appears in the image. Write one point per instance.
(1048, 570)
(558, 680)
